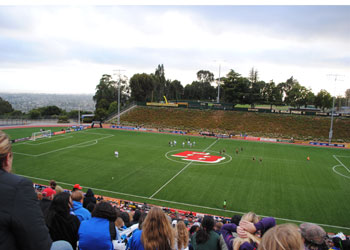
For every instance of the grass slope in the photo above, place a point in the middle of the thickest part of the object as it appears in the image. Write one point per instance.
(258, 124)
(284, 184)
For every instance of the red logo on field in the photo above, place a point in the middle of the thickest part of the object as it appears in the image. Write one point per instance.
(199, 156)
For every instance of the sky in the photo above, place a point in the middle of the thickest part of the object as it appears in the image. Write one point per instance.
(67, 49)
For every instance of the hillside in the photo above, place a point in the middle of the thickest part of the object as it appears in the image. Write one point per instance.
(255, 124)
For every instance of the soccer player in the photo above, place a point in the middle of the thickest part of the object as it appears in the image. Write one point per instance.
(183, 144)
(236, 150)
(308, 158)
(224, 204)
(174, 143)
(116, 154)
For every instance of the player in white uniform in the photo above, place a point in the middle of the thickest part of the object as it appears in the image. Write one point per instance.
(116, 154)
(174, 143)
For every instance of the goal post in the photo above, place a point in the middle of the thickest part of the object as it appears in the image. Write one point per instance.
(41, 134)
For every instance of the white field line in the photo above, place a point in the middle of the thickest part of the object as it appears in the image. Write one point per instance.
(179, 173)
(186, 204)
(36, 144)
(341, 164)
(71, 146)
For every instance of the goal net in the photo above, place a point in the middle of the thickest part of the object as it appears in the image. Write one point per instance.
(41, 134)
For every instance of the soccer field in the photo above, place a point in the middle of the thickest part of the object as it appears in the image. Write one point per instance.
(284, 184)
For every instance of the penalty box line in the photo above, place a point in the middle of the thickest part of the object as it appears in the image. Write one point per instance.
(60, 149)
(186, 204)
(341, 163)
(178, 173)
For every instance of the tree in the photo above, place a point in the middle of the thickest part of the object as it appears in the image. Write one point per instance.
(100, 114)
(5, 107)
(235, 88)
(106, 91)
(159, 83)
(205, 76)
(113, 107)
(323, 99)
(253, 75)
(199, 91)
(34, 114)
(272, 94)
(50, 111)
(174, 90)
(141, 86)
(347, 97)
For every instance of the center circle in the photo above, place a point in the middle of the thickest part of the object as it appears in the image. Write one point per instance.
(169, 156)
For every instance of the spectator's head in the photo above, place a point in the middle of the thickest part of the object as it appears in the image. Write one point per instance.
(236, 219)
(48, 193)
(282, 237)
(136, 215)
(218, 226)
(77, 196)
(314, 235)
(142, 219)
(253, 218)
(181, 235)
(126, 218)
(89, 193)
(157, 232)
(53, 184)
(203, 233)
(76, 187)
(6, 155)
(104, 210)
(119, 223)
(61, 205)
(194, 229)
(91, 207)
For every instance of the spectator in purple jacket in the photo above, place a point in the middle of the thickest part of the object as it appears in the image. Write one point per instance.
(248, 230)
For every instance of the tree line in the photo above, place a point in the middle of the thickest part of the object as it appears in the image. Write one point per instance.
(234, 89)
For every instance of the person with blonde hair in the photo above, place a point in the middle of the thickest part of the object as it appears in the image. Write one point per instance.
(182, 235)
(248, 231)
(156, 232)
(282, 237)
(22, 224)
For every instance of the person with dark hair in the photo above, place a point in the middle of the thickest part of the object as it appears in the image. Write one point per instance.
(91, 207)
(136, 217)
(206, 238)
(236, 219)
(62, 225)
(22, 224)
(126, 218)
(89, 198)
(99, 231)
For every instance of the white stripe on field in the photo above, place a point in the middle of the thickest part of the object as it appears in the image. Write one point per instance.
(178, 173)
(186, 204)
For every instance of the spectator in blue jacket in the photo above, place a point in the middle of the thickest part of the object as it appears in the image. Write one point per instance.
(99, 231)
(78, 209)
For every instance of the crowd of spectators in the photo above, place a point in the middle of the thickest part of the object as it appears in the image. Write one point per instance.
(50, 218)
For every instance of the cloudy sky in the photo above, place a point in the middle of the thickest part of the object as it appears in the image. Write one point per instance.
(66, 49)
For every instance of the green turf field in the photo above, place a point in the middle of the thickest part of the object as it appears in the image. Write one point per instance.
(284, 185)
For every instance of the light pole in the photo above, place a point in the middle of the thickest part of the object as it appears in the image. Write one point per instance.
(119, 80)
(218, 99)
(331, 128)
